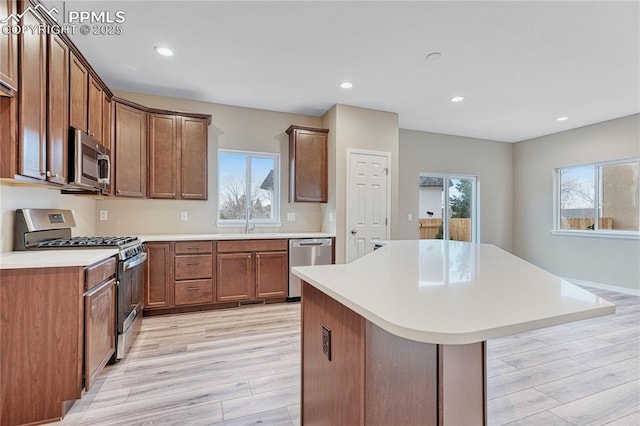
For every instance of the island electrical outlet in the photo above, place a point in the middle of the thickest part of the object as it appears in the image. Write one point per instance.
(326, 341)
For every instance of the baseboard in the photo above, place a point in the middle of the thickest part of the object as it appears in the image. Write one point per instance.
(618, 289)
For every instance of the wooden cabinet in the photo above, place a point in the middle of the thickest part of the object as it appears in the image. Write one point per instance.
(130, 151)
(194, 272)
(8, 52)
(41, 331)
(94, 110)
(158, 275)
(99, 319)
(57, 111)
(308, 164)
(177, 157)
(32, 107)
(78, 92)
(252, 269)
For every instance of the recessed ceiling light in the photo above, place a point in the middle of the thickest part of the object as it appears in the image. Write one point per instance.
(346, 85)
(562, 118)
(433, 56)
(164, 51)
(457, 99)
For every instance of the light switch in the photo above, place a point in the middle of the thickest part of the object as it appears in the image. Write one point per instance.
(104, 215)
(184, 216)
(291, 217)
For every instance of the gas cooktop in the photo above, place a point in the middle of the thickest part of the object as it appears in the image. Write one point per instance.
(86, 242)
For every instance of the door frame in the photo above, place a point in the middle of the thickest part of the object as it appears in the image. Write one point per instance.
(347, 231)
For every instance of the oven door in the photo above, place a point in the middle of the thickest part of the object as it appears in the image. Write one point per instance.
(130, 301)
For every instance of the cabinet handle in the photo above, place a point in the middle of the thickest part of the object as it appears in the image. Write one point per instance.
(193, 288)
(193, 263)
(192, 248)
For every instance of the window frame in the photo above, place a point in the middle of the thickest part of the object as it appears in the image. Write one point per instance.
(598, 185)
(259, 222)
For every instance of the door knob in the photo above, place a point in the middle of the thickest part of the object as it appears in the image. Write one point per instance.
(354, 231)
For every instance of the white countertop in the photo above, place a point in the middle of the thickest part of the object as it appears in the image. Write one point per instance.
(54, 258)
(238, 236)
(452, 292)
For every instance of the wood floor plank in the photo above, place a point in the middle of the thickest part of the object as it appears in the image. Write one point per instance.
(632, 419)
(544, 418)
(517, 406)
(277, 417)
(603, 407)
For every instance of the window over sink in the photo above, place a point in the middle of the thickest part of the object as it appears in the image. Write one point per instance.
(248, 188)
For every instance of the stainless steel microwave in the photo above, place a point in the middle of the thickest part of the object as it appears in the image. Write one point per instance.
(89, 163)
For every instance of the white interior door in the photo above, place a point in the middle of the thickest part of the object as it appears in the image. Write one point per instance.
(367, 202)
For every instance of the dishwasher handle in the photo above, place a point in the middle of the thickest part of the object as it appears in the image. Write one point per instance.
(324, 242)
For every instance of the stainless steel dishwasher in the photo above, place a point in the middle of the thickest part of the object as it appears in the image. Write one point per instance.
(306, 252)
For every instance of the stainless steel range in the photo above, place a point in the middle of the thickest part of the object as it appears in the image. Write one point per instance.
(50, 229)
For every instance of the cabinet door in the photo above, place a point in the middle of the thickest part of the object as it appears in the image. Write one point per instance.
(193, 158)
(158, 276)
(163, 156)
(131, 151)
(234, 277)
(308, 158)
(32, 96)
(272, 274)
(8, 50)
(99, 326)
(78, 81)
(94, 113)
(58, 111)
(107, 135)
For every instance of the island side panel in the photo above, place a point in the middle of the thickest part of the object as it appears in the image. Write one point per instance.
(462, 384)
(332, 390)
(401, 379)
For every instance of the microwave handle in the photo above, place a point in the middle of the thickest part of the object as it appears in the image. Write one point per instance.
(105, 157)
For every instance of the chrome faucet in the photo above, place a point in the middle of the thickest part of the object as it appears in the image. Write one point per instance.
(247, 216)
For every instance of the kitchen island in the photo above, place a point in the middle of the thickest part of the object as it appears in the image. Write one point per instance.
(399, 336)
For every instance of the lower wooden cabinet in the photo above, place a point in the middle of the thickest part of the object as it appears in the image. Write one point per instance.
(185, 274)
(99, 329)
(252, 269)
(158, 276)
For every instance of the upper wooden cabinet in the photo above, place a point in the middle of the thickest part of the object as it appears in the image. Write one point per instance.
(8, 52)
(32, 91)
(78, 92)
(177, 157)
(94, 111)
(308, 164)
(130, 151)
(57, 111)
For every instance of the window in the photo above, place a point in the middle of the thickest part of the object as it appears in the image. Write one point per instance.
(250, 176)
(598, 199)
(453, 198)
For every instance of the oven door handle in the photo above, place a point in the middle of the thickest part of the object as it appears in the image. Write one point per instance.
(134, 261)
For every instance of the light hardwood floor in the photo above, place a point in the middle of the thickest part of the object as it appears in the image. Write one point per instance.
(242, 366)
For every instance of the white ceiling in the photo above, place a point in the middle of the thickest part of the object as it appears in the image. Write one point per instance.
(519, 64)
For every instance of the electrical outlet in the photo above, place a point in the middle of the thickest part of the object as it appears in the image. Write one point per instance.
(409, 217)
(104, 215)
(184, 216)
(291, 217)
(326, 341)
(331, 217)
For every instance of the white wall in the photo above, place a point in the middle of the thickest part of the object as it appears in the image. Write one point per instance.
(491, 161)
(354, 127)
(600, 260)
(232, 128)
(21, 197)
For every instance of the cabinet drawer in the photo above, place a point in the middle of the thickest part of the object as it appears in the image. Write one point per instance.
(193, 247)
(252, 245)
(192, 292)
(193, 267)
(95, 274)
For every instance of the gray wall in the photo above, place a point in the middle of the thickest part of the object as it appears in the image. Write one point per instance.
(491, 161)
(600, 260)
